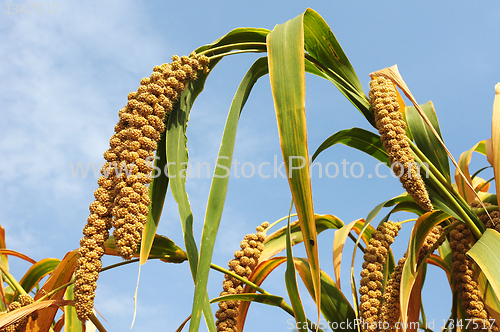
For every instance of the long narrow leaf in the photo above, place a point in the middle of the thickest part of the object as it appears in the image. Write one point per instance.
(276, 242)
(357, 138)
(219, 185)
(322, 46)
(409, 277)
(157, 193)
(162, 248)
(425, 139)
(61, 275)
(491, 301)
(463, 163)
(291, 285)
(37, 271)
(338, 247)
(334, 306)
(486, 253)
(71, 321)
(261, 272)
(495, 137)
(285, 46)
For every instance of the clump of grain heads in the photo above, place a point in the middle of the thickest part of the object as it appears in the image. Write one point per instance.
(371, 275)
(243, 264)
(122, 201)
(392, 129)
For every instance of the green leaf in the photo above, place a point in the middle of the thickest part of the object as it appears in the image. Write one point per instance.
(486, 253)
(490, 299)
(219, 185)
(37, 271)
(425, 139)
(357, 138)
(261, 298)
(276, 242)
(240, 38)
(291, 284)
(321, 44)
(261, 272)
(325, 52)
(71, 321)
(162, 248)
(409, 277)
(177, 156)
(334, 305)
(285, 45)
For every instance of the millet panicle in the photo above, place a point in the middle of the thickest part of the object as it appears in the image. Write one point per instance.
(122, 201)
(465, 279)
(392, 129)
(371, 276)
(243, 264)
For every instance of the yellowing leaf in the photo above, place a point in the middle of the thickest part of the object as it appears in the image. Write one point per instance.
(495, 136)
(463, 163)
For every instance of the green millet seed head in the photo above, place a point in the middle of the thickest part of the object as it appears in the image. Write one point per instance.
(391, 126)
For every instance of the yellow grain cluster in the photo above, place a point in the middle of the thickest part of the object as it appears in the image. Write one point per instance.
(465, 281)
(243, 264)
(392, 129)
(122, 201)
(20, 325)
(371, 275)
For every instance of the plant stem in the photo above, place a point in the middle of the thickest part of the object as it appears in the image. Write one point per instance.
(97, 323)
(119, 264)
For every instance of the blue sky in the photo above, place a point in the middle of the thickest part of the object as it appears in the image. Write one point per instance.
(64, 76)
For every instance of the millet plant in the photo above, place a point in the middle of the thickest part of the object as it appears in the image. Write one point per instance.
(457, 219)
